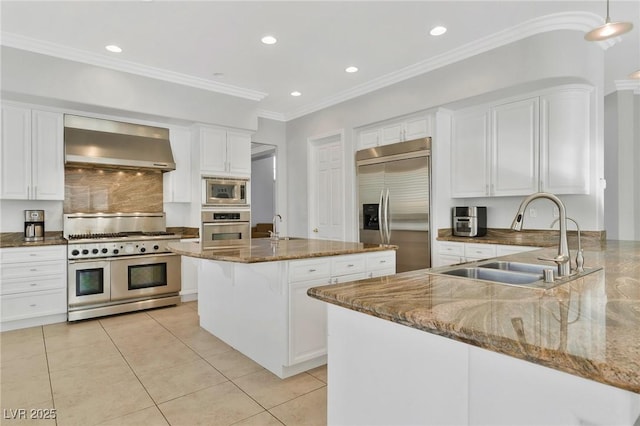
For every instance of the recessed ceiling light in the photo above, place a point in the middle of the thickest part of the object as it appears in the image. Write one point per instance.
(269, 40)
(113, 48)
(296, 93)
(436, 31)
(351, 69)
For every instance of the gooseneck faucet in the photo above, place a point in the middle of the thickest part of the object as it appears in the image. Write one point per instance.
(274, 234)
(579, 254)
(563, 258)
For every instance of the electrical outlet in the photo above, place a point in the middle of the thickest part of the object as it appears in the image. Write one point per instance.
(556, 212)
(533, 212)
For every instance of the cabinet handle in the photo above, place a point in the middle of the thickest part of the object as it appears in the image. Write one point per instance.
(335, 280)
(351, 265)
(383, 261)
(33, 284)
(33, 269)
(312, 270)
(33, 305)
(32, 254)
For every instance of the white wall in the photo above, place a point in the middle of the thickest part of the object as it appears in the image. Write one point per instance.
(45, 80)
(262, 190)
(539, 61)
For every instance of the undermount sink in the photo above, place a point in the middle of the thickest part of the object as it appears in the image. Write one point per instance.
(530, 268)
(495, 275)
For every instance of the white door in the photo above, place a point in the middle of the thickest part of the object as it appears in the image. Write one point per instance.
(326, 190)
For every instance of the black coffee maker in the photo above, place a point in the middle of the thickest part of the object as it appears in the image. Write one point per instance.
(34, 225)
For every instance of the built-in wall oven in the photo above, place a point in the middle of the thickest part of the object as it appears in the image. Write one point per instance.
(218, 191)
(225, 228)
(119, 269)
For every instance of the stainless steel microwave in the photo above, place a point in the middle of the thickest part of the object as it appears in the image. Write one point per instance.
(224, 191)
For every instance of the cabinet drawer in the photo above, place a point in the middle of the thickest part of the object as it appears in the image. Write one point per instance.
(381, 260)
(22, 285)
(451, 249)
(33, 254)
(345, 265)
(33, 269)
(30, 305)
(312, 269)
(348, 278)
(479, 251)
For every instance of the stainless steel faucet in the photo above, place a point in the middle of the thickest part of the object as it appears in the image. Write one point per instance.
(274, 234)
(579, 254)
(563, 257)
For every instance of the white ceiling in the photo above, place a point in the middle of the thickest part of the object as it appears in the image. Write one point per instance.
(188, 42)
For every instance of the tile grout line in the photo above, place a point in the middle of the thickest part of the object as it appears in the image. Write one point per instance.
(46, 357)
(134, 373)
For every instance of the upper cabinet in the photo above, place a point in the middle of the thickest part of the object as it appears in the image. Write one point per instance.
(224, 152)
(404, 129)
(32, 151)
(536, 143)
(177, 183)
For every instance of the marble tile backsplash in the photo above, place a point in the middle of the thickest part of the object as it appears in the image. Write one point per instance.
(90, 190)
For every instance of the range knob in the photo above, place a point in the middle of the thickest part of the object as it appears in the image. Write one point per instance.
(75, 252)
(116, 251)
(104, 250)
(85, 251)
(95, 251)
(142, 250)
(156, 247)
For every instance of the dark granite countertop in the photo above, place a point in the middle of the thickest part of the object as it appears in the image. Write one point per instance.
(588, 327)
(16, 239)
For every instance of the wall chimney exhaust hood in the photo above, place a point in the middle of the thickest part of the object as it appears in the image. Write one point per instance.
(113, 144)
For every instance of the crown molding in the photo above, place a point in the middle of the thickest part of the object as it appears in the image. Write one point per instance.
(628, 85)
(77, 55)
(575, 21)
(271, 115)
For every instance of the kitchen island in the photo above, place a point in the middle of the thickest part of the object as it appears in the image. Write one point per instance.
(425, 348)
(254, 296)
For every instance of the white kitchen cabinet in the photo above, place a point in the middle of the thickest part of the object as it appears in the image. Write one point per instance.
(177, 183)
(263, 310)
(33, 286)
(536, 143)
(514, 148)
(32, 154)
(224, 152)
(470, 166)
(452, 253)
(407, 128)
(189, 275)
(565, 140)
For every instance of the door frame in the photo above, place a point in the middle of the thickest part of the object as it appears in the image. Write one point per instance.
(313, 143)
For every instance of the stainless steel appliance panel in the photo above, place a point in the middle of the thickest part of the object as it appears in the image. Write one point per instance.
(89, 282)
(216, 235)
(143, 276)
(224, 191)
(395, 180)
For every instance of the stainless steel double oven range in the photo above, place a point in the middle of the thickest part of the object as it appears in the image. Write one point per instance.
(119, 262)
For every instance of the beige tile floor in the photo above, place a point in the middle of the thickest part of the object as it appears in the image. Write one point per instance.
(156, 367)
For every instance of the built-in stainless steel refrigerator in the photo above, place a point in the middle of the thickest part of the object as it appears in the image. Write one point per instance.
(394, 186)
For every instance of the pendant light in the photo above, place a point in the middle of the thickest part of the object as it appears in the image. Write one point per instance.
(609, 29)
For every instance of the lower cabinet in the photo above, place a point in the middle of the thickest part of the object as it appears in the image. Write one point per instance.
(452, 253)
(33, 286)
(263, 310)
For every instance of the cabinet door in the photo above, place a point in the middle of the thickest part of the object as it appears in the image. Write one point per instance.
(307, 323)
(392, 133)
(15, 149)
(239, 154)
(515, 148)
(47, 159)
(177, 183)
(368, 139)
(470, 154)
(565, 140)
(213, 150)
(419, 127)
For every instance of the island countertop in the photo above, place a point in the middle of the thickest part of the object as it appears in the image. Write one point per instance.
(588, 327)
(266, 250)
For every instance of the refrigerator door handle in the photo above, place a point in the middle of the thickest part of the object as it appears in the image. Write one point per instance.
(380, 217)
(387, 219)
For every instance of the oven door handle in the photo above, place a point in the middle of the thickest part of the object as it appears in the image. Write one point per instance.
(109, 259)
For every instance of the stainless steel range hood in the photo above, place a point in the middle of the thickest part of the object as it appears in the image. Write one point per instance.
(113, 144)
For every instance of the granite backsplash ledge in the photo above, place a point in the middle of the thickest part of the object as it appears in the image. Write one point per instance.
(528, 237)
